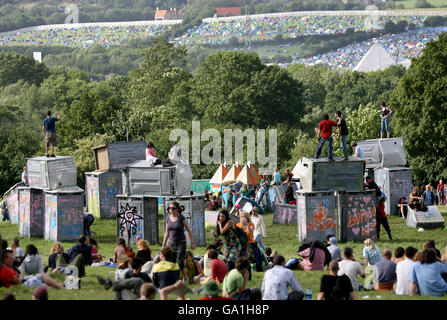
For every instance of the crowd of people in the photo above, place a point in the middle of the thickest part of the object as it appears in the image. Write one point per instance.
(266, 28)
(82, 37)
(225, 270)
(402, 46)
(249, 29)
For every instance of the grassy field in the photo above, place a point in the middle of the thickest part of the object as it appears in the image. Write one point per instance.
(280, 237)
(410, 4)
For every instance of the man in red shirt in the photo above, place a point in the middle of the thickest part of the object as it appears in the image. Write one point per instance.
(325, 134)
(382, 219)
(219, 268)
(8, 276)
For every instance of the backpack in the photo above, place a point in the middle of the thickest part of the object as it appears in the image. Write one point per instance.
(242, 236)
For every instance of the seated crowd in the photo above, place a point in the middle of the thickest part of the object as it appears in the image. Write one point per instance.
(225, 270)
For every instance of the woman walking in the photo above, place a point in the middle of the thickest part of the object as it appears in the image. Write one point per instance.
(174, 236)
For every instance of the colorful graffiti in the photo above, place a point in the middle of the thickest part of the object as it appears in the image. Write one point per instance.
(93, 196)
(108, 197)
(321, 220)
(285, 214)
(359, 213)
(130, 221)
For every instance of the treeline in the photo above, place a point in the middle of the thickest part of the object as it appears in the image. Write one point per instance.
(228, 90)
(20, 14)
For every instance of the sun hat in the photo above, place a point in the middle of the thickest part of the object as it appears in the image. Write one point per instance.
(211, 288)
(122, 260)
(237, 206)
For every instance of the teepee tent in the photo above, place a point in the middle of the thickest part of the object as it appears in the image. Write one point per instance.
(254, 171)
(375, 59)
(295, 170)
(219, 175)
(232, 174)
(247, 177)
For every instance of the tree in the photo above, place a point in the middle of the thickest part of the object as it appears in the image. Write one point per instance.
(14, 66)
(153, 84)
(235, 87)
(420, 107)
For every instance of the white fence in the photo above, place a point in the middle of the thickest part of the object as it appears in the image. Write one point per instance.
(404, 13)
(95, 24)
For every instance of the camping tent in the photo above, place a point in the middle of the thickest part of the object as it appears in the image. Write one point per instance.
(375, 59)
(232, 174)
(247, 177)
(295, 170)
(219, 175)
(254, 171)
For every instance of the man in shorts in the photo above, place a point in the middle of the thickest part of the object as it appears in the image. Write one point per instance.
(49, 129)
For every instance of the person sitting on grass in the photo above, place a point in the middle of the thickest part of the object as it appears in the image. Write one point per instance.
(333, 249)
(334, 287)
(19, 254)
(122, 250)
(144, 250)
(57, 249)
(315, 255)
(371, 252)
(403, 270)
(123, 268)
(426, 275)
(219, 268)
(385, 272)
(398, 255)
(350, 268)
(235, 282)
(211, 291)
(82, 251)
(402, 207)
(9, 277)
(126, 289)
(96, 257)
(276, 282)
(137, 264)
(166, 274)
(192, 270)
(148, 291)
(32, 262)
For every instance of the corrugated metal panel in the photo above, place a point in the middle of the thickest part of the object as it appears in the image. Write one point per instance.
(429, 219)
(356, 215)
(101, 191)
(137, 216)
(118, 155)
(193, 209)
(395, 182)
(321, 175)
(31, 213)
(142, 179)
(51, 173)
(316, 215)
(285, 214)
(383, 152)
(64, 218)
(12, 202)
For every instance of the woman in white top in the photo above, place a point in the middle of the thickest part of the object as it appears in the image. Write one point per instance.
(259, 231)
